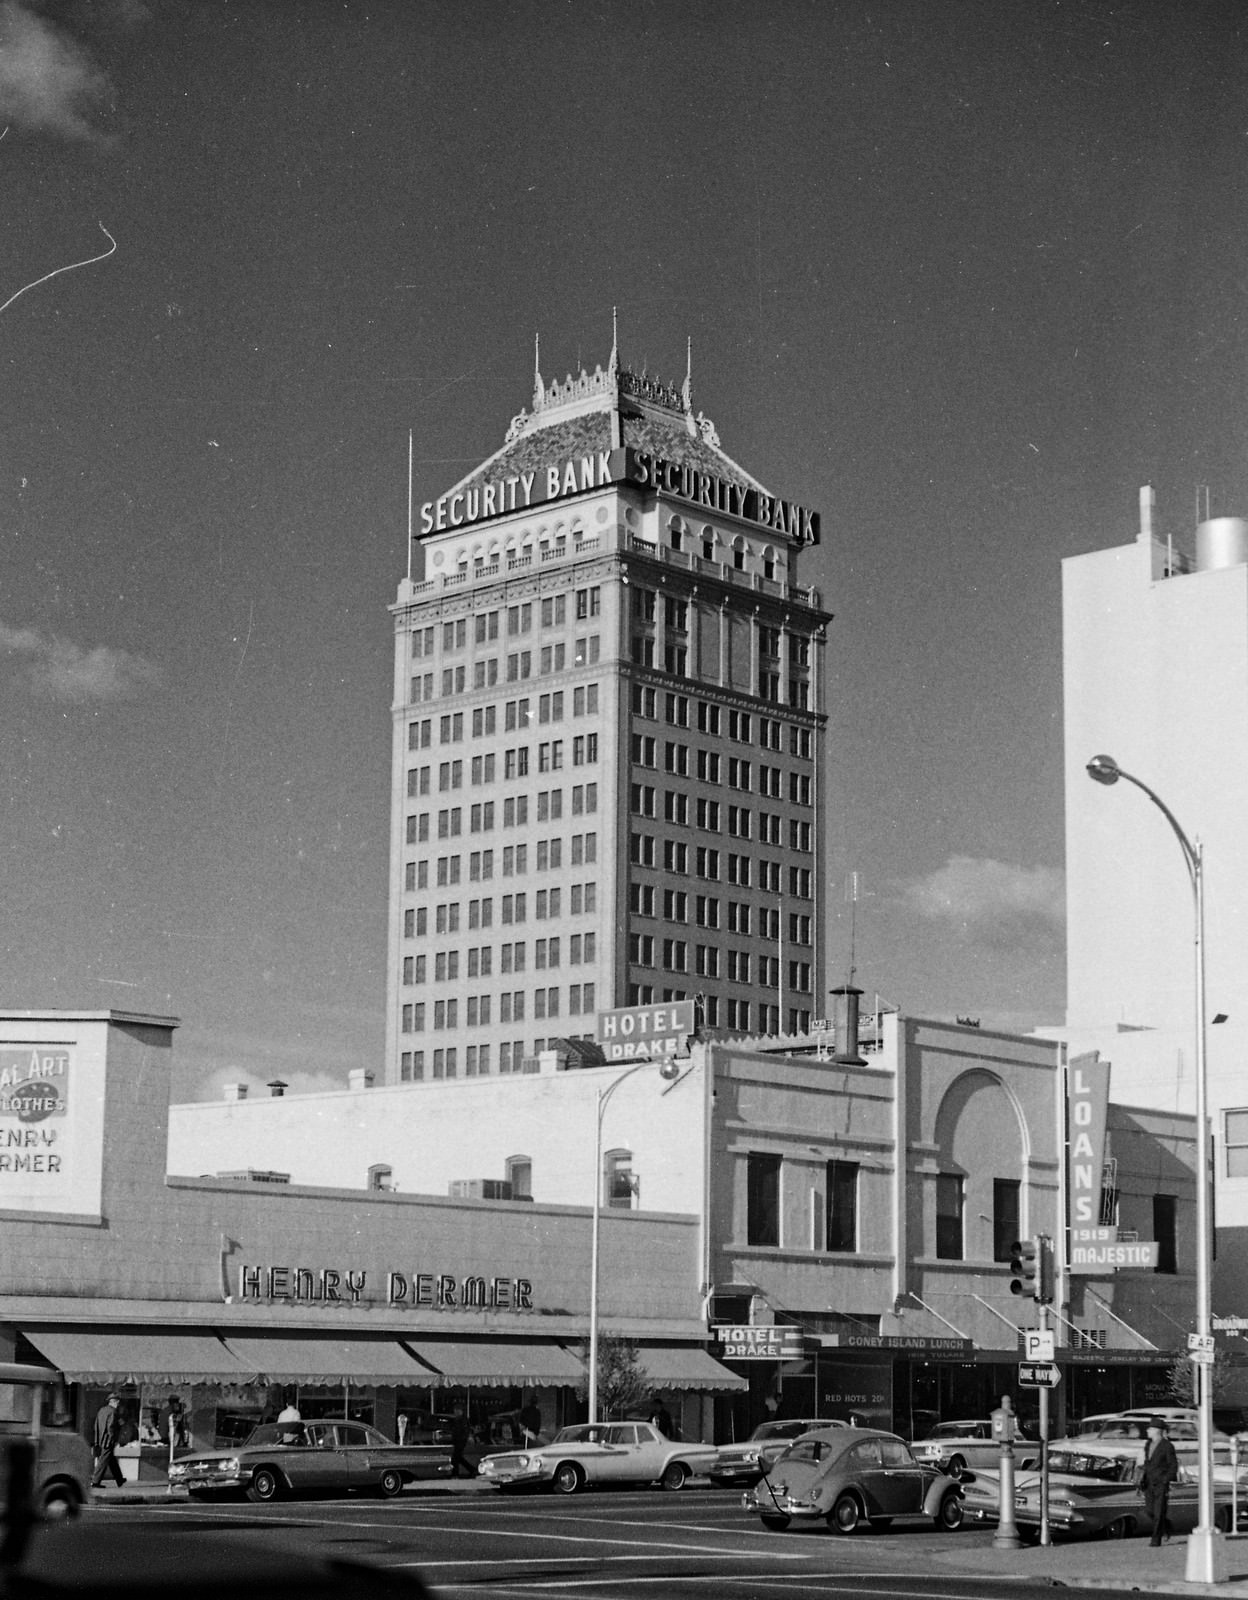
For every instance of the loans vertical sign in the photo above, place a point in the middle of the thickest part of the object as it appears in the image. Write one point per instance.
(1087, 1104)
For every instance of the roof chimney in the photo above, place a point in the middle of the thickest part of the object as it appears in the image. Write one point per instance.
(276, 1087)
(845, 1024)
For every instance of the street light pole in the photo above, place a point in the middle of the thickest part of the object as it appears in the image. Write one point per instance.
(1205, 1549)
(603, 1096)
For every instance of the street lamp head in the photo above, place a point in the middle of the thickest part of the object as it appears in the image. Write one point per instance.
(1104, 769)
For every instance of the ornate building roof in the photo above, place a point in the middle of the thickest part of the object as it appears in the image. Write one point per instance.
(604, 410)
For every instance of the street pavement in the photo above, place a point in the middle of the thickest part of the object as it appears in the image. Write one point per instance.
(1084, 1563)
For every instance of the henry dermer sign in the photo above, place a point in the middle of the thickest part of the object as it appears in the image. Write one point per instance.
(35, 1082)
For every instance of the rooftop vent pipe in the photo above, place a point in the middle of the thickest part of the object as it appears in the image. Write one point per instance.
(845, 1026)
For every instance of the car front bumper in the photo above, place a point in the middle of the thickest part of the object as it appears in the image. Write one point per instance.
(186, 1477)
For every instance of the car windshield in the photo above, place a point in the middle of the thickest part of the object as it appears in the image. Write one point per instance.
(782, 1430)
(1080, 1464)
(287, 1433)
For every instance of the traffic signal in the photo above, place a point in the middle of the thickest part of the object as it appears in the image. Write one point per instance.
(1044, 1275)
(1024, 1267)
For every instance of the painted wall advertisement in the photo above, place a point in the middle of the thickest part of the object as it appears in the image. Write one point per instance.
(34, 1122)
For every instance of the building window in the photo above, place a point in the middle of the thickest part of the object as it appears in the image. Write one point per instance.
(1006, 1216)
(622, 1184)
(950, 1215)
(842, 1218)
(1235, 1142)
(1165, 1219)
(762, 1199)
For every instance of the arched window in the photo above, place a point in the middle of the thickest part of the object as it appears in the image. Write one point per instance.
(738, 554)
(520, 1177)
(622, 1183)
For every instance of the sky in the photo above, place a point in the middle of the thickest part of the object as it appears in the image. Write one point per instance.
(960, 274)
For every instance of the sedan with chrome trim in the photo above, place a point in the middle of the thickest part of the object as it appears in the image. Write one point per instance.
(285, 1458)
(848, 1476)
(745, 1463)
(599, 1454)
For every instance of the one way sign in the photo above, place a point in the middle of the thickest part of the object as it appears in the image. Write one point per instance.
(1038, 1375)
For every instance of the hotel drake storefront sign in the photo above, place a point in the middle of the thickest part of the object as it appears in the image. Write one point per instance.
(522, 491)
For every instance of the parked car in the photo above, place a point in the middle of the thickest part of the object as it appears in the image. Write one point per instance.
(281, 1458)
(594, 1453)
(1181, 1423)
(427, 1427)
(34, 1406)
(1093, 1489)
(851, 1475)
(952, 1447)
(745, 1462)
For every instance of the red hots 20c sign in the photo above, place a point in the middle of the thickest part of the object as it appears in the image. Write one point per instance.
(522, 491)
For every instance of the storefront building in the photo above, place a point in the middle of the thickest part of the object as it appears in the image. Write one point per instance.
(854, 1200)
(236, 1294)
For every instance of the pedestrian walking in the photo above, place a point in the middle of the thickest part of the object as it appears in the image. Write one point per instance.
(105, 1437)
(1161, 1468)
(459, 1441)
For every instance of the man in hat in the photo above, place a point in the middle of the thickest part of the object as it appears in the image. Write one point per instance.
(105, 1438)
(1161, 1468)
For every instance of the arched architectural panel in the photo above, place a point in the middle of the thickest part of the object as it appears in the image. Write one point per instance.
(982, 1153)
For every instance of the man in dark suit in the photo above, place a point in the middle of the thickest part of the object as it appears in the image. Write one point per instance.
(1161, 1468)
(105, 1438)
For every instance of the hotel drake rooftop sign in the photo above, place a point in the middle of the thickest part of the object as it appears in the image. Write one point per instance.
(522, 491)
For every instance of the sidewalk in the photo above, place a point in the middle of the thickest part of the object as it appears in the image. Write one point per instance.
(1105, 1564)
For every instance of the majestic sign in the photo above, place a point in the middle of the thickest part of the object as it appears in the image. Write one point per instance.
(636, 1033)
(1087, 1103)
(1099, 1257)
(522, 491)
(418, 1291)
(760, 1344)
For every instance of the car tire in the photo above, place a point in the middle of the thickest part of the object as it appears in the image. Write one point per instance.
(390, 1483)
(1223, 1521)
(568, 1478)
(845, 1515)
(59, 1502)
(266, 1485)
(949, 1513)
(956, 1467)
(1120, 1528)
(675, 1475)
(773, 1523)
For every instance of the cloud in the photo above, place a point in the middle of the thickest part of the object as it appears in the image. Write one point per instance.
(993, 903)
(62, 670)
(48, 82)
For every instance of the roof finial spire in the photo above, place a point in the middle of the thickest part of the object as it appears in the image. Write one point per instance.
(613, 381)
(686, 388)
(537, 372)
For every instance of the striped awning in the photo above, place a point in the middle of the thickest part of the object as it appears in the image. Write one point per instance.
(366, 1362)
(125, 1356)
(686, 1367)
(499, 1363)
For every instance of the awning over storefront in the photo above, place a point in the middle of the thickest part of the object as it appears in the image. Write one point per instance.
(135, 1357)
(498, 1364)
(362, 1362)
(686, 1367)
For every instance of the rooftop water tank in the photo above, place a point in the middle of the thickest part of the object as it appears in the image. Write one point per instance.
(1221, 542)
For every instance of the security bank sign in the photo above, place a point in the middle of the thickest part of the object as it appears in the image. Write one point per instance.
(637, 1033)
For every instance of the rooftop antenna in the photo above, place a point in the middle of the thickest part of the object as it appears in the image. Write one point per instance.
(853, 893)
(409, 505)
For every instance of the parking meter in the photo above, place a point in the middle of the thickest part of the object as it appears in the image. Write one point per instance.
(1004, 1422)
(1004, 1432)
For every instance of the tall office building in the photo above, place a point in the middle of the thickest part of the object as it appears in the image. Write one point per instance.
(608, 739)
(1156, 676)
